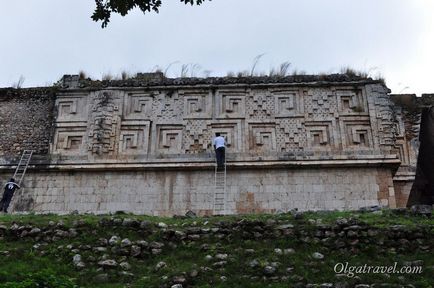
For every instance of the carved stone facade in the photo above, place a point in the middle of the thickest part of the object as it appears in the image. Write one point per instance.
(301, 138)
(256, 121)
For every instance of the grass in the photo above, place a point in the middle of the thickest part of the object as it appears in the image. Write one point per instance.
(24, 260)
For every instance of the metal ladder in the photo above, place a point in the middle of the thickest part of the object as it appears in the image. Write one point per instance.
(220, 190)
(22, 166)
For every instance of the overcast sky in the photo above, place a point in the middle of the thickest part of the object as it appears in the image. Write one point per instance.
(44, 39)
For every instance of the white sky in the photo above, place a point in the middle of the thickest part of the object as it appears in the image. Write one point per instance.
(44, 39)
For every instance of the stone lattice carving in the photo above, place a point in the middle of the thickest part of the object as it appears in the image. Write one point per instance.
(168, 107)
(320, 104)
(291, 135)
(197, 136)
(260, 105)
(256, 120)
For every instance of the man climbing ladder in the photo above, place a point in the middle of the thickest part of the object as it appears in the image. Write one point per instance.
(220, 175)
(219, 147)
(11, 186)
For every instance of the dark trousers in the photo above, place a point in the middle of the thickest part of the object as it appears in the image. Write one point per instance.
(220, 155)
(6, 200)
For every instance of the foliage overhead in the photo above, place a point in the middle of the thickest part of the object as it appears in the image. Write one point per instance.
(104, 8)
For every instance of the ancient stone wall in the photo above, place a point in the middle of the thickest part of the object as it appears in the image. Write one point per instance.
(177, 123)
(144, 145)
(407, 112)
(26, 119)
(177, 191)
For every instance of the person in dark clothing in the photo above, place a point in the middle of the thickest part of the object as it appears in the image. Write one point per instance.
(10, 188)
(219, 147)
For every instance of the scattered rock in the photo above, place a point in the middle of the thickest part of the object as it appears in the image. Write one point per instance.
(278, 251)
(424, 210)
(219, 264)
(370, 208)
(190, 214)
(160, 265)
(162, 225)
(125, 266)
(269, 270)
(114, 240)
(221, 256)
(125, 243)
(135, 251)
(285, 226)
(35, 231)
(179, 279)
(254, 263)
(109, 263)
(78, 263)
(318, 256)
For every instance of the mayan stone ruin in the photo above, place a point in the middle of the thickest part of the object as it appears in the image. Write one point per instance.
(144, 145)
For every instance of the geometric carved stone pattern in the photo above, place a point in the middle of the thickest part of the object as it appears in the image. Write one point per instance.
(320, 104)
(288, 103)
(167, 107)
(169, 138)
(138, 106)
(350, 101)
(199, 134)
(356, 133)
(69, 140)
(260, 106)
(72, 108)
(196, 138)
(134, 137)
(230, 130)
(401, 147)
(258, 120)
(291, 135)
(384, 118)
(262, 137)
(319, 135)
(104, 123)
(231, 103)
(197, 104)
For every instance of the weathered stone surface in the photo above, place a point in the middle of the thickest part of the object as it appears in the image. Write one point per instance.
(273, 124)
(109, 263)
